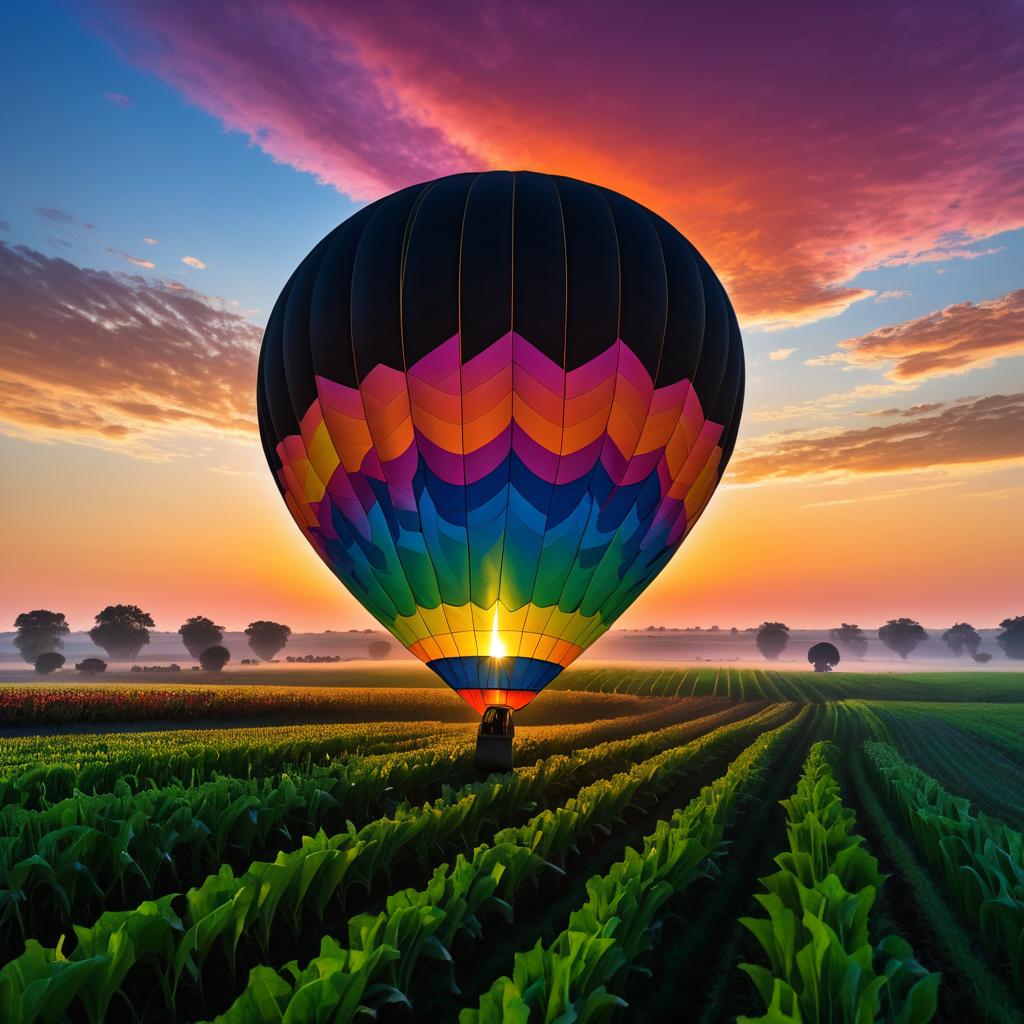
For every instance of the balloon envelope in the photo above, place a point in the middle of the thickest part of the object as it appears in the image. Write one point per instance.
(495, 404)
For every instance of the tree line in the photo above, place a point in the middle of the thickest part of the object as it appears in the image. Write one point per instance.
(901, 636)
(122, 630)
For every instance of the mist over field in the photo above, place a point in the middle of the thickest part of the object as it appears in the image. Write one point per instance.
(657, 645)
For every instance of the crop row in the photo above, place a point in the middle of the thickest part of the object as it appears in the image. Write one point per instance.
(984, 773)
(823, 967)
(62, 705)
(1002, 725)
(226, 909)
(100, 851)
(769, 684)
(578, 976)
(40, 705)
(981, 859)
(40, 770)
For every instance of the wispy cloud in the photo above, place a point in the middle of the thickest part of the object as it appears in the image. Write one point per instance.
(827, 406)
(891, 293)
(137, 260)
(899, 492)
(789, 192)
(119, 99)
(151, 241)
(973, 431)
(777, 355)
(54, 214)
(953, 340)
(107, 358)
(194, 261)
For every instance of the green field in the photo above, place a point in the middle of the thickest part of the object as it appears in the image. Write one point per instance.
(690, 844)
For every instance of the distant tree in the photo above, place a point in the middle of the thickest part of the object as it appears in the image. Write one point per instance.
(983, 658)
(267, 638)
(121, 630)
(214, 658)
(902, 636)
(39, 632)
(49, 661)
(772, 638)
(851, 636)
(734, 631)
(378, 649)
(1012, 638)
(91, 666)
(824, 657)
(962, 637)
(198, 633)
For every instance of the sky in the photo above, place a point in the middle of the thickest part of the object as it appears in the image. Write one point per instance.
(856, 179)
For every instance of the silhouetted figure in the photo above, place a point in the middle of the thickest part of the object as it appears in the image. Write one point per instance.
(824, 657)
(902, 636)
(494, 741)
(267, 639)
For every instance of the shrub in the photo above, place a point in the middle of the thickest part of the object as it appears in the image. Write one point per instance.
(91, 666)
(213, 659)
(49, 662)
(378, 649)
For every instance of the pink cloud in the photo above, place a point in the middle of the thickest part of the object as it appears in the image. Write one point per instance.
(193, 261)
(796, 151)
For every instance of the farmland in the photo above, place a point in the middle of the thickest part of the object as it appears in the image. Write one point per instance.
(701, 844)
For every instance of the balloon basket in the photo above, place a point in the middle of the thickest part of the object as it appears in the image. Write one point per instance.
(494, 741)
(493, 754)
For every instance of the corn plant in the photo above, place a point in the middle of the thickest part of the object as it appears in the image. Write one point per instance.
(575, 977)
(823, 967)
(226, 908)
(980, 858)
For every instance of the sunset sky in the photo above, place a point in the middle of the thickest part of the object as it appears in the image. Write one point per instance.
(855, 175)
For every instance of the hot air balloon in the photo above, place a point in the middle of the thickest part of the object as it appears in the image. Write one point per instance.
(495, 404)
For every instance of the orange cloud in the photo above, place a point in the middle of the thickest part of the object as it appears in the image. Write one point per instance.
(953, 340)
(110, 357)
(971, 431)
